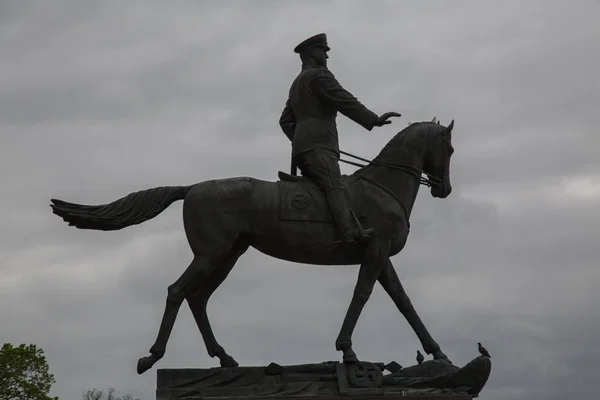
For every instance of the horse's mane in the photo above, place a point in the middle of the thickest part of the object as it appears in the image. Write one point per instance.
(406, 143)
(407, 136)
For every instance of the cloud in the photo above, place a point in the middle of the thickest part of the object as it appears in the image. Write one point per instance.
(102, 99)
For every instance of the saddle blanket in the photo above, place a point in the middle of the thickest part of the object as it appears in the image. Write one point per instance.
(303, 200)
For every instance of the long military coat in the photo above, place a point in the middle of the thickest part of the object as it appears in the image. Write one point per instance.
(315, 98)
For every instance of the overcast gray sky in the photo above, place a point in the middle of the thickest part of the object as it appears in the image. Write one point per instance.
(100, 99)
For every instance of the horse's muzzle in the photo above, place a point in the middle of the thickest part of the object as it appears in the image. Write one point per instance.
(441, 192)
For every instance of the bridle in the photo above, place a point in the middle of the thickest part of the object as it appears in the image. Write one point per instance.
(429, 179)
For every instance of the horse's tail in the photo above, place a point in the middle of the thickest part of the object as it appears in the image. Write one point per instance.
(132, 209)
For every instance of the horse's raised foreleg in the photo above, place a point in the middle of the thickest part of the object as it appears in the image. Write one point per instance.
(199, 299)
(176, 293)
(391, 284)
(376, 254)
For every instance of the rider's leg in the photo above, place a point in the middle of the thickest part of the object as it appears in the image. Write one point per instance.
(322, 166)
(338, 204)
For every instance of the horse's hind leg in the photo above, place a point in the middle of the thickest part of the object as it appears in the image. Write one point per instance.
(199, 299)
(198, 269)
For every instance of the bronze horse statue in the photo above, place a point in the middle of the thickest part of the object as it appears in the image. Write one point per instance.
(289, 220)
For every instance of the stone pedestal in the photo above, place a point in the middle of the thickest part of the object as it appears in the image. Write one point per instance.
(354, 397)
(431, 380)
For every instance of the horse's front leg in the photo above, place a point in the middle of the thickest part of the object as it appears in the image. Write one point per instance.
(377, 253)
(391, 284)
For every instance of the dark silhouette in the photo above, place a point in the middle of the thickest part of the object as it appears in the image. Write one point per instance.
(290, 220)
(420, 357)
(319, 218)
(482, 350)
(308, 120)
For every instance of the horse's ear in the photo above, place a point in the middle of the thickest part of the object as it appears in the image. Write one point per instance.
(434, 120)
(449, 128)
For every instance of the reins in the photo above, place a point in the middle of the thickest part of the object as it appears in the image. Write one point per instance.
(429, 181)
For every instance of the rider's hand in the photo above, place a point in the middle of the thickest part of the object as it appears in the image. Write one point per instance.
(384, 118)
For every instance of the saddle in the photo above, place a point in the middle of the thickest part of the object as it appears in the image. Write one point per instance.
(302, 199)
(291, 178)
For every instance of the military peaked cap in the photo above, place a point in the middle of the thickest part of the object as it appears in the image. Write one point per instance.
(317, 40)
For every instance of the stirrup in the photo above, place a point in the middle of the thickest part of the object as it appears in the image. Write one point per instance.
(364, 233)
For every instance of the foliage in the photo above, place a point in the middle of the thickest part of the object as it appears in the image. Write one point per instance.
(24, 373)
(95, 394)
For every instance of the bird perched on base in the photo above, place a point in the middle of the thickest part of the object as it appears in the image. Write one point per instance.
(420, 357)
(483, 351)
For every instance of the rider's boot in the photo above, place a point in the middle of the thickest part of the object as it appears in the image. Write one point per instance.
(344, 217)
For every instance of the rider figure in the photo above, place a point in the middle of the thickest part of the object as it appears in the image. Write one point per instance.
(308, 120)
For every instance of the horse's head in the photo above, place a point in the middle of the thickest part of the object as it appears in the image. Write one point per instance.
(422, 147)
(436, 160)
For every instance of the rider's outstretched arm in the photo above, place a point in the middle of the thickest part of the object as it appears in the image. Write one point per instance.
(330, 91)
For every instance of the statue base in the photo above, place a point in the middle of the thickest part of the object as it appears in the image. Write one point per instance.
(436, 380)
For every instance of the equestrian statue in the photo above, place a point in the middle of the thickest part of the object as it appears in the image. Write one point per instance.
(318, 218)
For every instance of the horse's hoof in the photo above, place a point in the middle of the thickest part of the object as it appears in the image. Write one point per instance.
(144, 364)
(350, 357)
(228, 362)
